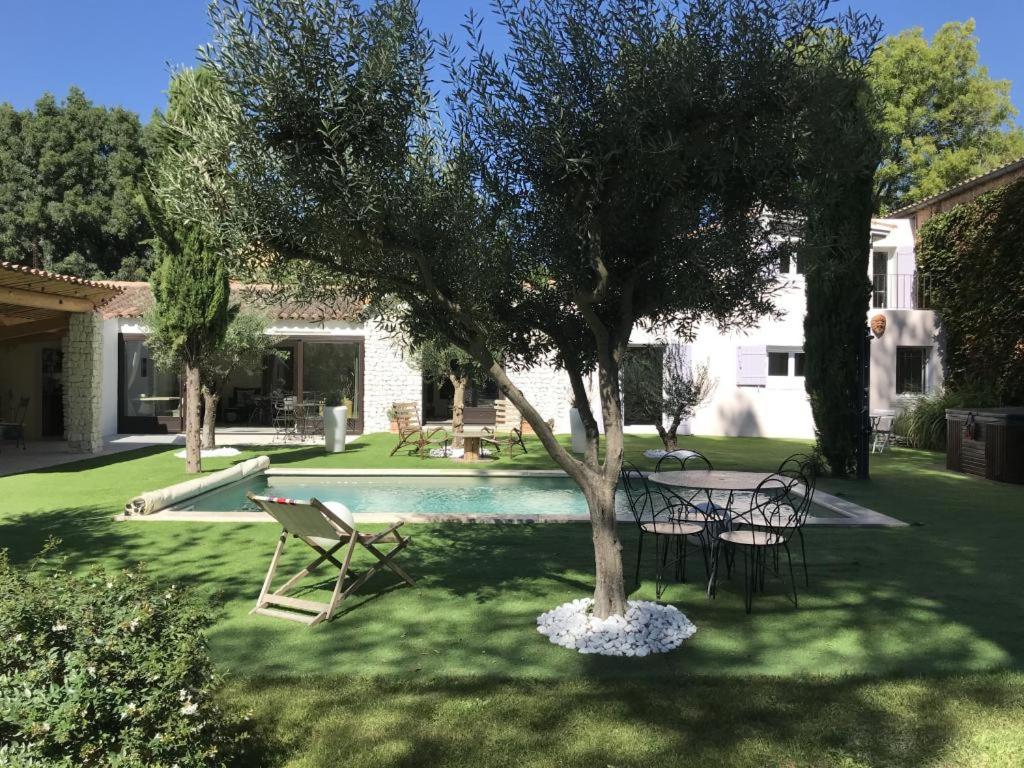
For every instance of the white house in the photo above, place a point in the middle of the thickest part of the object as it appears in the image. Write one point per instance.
(333, 352)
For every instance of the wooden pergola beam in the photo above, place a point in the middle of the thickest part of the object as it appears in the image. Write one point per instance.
(39, 300)
(23, 331)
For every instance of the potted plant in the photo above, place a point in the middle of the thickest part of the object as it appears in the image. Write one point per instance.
(393, 418)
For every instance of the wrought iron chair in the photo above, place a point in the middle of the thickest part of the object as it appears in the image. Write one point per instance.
(687, 460)
(666, 518)
(284, 416)
(15, 428)
(803, 468)
(774, 514)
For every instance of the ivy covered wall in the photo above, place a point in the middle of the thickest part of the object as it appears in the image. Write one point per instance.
(971, 262)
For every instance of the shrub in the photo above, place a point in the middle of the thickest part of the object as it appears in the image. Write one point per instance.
(108, 669)
(923, 423)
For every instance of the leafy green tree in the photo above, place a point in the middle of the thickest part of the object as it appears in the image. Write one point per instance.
(70, 174)
(190, 286)
(191, 311)
(615, 168)
(665, 388)
(838, 170)
(941, 116)
(440, 361)
(243, 348)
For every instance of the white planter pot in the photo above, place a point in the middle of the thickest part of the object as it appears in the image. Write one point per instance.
(335, 426)
(579, 434)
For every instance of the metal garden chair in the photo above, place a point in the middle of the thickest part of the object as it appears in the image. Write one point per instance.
(668, 520)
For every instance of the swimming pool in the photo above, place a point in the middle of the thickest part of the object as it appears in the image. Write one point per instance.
(406, 494)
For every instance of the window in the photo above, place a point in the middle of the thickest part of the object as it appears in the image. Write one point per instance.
(790, 263)
(879, 279)
(642, 382)
(778, 363)
(912, 370)
(785, 362)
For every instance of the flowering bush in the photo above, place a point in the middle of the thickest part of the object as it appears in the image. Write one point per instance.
(107, 669)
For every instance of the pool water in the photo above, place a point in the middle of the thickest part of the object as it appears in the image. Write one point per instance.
(407, 494)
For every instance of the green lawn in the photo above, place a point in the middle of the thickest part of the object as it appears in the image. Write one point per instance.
(906, 650)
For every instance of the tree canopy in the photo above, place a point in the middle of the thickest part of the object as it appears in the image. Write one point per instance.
(941, 116)
(616, 167)
(70, 173)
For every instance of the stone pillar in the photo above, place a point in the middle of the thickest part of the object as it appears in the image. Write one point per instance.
(83, 379)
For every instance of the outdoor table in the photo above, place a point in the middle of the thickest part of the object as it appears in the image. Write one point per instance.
(471, 443)
(708, 480)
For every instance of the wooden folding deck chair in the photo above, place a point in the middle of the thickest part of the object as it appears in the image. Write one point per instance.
(325, 527)
(412, 434)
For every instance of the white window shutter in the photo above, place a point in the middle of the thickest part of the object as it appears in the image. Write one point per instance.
(752, 366)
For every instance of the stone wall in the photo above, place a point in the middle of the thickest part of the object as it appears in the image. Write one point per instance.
(389, 378)
(83, 381)
(549, 391)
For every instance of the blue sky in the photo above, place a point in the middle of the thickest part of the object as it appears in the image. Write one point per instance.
(119, 51)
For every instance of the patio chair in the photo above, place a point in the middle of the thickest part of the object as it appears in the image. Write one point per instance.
(803, 468)
(15, 428)
(682, 461)
(412, 434)
(284, 416)
(774, 514)
(671, 521)
(881, 432)
(325, 527)
(507, 430)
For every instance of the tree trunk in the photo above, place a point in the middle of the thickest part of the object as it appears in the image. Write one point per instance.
(193, 393)
(210, 400)
(609, 585)
(668, 437)
(458, 409)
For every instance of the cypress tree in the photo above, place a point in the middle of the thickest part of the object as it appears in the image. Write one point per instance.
(192, 312)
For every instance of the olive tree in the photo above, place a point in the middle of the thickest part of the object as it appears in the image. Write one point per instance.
(626, 162)
(442, 361)
(665, 387)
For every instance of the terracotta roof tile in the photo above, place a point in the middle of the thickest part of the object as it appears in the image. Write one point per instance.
(137, 299)
(956, 188)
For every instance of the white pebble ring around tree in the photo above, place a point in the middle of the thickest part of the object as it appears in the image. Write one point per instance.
(645, 629)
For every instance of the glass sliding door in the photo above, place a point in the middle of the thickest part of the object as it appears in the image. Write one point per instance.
(332, 373)
(149, 399)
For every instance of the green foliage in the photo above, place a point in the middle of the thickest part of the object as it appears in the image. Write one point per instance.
(943, 119)
(243, 348)
(923, 422)
(439, 360)
(970, 260)
(561, 211)
(842, 155)
(190, 285)
(661, 387)
(191, 294)
(69, 177)
(108, 669)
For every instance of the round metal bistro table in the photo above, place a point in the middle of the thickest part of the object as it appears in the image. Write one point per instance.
(708, 480)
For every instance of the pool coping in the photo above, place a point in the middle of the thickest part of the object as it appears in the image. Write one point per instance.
(851, 515)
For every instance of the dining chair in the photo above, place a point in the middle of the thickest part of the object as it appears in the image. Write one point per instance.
(668, 520)
(761, 530)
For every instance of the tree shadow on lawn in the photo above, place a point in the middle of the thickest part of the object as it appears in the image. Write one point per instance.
(412, 721)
